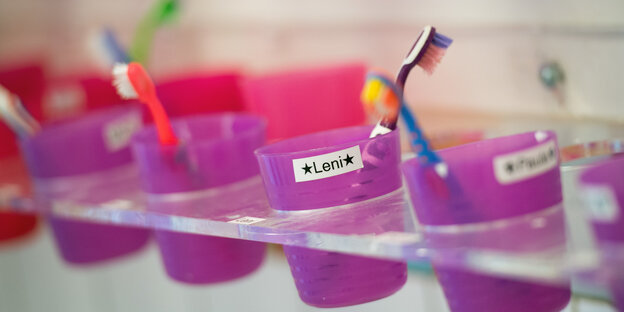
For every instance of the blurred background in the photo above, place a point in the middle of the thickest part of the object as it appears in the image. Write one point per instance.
(497, 77)
(493, 66)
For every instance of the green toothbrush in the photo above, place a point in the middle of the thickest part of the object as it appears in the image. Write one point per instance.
(162, 12)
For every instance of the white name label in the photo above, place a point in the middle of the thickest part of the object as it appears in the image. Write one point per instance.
(246, 220)
(327, 165)
(528, 163)
(601, 203)
(117, 133)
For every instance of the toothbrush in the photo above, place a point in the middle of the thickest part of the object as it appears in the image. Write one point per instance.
(162, 12)
(382, 99)
(113, 49)
(427, 52)
(133, 82)
(16, 116)
(107, 49)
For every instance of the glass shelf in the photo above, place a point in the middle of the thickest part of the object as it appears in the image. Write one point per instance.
(531, 247)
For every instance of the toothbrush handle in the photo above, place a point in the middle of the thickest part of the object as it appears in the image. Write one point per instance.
(165, 132)
(418, 141)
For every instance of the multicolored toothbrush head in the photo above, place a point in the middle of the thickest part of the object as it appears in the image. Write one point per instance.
(382, 100)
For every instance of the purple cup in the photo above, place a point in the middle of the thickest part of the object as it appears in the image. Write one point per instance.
(215, 150)
(68, 155)
(329, 169)
(503, 193)
(602, 190)
(379, 175)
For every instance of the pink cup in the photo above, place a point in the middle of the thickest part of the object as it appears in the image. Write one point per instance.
(216, 151)
(201, 93)
(295, 178)
(28, 82)
(79, 157)
(502, 194)
(73, 94)
(306, 101)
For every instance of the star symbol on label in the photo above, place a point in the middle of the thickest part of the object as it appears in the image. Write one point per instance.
(509, 167)
(307, 169)
(349, 160)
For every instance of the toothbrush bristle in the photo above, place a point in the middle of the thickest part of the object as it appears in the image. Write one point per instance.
(112, 47)
(434, 52)
(122, 82)
(442, 41)
(431, 58)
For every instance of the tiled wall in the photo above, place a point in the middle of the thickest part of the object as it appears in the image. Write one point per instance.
(492, 66)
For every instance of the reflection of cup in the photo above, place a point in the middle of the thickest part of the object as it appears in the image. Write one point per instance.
(26, 81)
(201, 93)
(328, 169)
(83, 157)
(602, 191)
(306, 101)
(509, 199)
(215, 151)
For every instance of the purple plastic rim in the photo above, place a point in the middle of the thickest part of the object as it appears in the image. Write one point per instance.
(602, 188)
(380, 173)
(479, 194)
(80, 145)
(215, 150)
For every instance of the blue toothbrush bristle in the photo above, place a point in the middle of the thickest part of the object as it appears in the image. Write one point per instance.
(113, 48)
(442, 41)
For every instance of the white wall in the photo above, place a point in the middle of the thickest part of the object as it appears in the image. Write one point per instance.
(492, 66)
